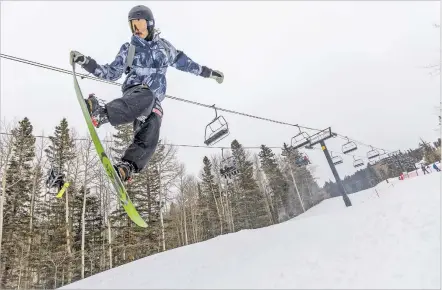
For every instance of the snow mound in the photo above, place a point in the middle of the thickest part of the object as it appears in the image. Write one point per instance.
(389, 238)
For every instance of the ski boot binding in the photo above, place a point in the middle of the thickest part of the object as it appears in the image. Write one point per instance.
(97, 111)
(124, 170)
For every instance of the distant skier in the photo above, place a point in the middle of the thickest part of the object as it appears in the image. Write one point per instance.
(143, 89)
(435, 167)
(424, 169)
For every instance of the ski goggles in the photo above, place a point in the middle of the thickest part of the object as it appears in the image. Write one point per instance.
(139, 24)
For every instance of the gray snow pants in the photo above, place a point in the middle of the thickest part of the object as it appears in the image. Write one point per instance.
(139, 106)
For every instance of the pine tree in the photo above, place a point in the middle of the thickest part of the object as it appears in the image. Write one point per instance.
(120, 221)
(58, 215)
(208, 202)
(16, 213)
(203, 215)
(144, 193)
(306, 185)
(33, 259)
(62, 146)
(248, 202)
(431, 155)
(277, 182)
(147, 200)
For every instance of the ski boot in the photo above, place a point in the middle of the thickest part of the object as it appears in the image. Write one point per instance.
(96, 110)
(124, 170)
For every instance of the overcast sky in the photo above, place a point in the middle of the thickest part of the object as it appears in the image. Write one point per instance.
(358, 67)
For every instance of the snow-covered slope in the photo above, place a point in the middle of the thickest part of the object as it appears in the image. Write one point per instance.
(390, 241)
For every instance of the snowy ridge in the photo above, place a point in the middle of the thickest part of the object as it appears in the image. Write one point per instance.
(386, 241)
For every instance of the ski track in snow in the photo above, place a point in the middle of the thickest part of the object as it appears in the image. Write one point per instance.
(391, 241)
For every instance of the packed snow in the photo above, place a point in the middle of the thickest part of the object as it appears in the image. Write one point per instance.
(389, 238)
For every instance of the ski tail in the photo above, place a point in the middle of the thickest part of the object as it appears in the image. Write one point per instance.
(62, 190)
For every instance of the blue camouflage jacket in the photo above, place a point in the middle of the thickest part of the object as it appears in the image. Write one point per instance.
(149, 65)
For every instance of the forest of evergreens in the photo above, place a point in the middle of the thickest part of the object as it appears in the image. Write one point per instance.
(48, 242)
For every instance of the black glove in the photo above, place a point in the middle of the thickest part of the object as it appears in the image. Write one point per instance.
(213, 74)
(86, 62)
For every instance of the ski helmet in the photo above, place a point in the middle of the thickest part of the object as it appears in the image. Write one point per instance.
(143, 12)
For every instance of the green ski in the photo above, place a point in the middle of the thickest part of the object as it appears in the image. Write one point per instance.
(107, 164)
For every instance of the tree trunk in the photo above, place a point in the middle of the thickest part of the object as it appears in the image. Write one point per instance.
(20, 267)
(217, 211)
(296, 187)
(68, 224)
(2, 201)
(83, 227)
(62, 276)
(181, 229)
(163, 238)
(55, 277)
(186, 240)
(83, 211)
(231, 216)
(109, 237)
(68, 236)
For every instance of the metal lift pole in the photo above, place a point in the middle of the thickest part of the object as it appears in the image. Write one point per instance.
(335, 174)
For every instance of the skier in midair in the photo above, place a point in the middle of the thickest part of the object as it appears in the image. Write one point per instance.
(143, 89)
(55, 178)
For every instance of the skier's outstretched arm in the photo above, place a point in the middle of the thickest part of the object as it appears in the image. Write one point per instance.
(182, 62)
(111, 72)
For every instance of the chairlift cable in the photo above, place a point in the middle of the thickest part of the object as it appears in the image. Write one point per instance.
(85, 76)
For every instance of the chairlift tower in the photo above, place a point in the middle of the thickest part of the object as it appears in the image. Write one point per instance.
(319, 138)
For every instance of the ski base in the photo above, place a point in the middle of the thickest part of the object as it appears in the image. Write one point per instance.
(107, 164)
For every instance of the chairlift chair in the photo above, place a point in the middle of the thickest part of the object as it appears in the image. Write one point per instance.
(336, 159)
(384, 154)
(372, 154)
(302, 160)
(228, 166)
(349, 147)
(357, 162)
(300, 140)
(221, 131)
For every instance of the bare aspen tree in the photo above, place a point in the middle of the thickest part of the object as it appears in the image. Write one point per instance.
(182, 177)
(223, 185)
(68, 223)
(104, 184)
(296, 187)
(163, 239)
(86, 151)
(57, 259)
(192, 196)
